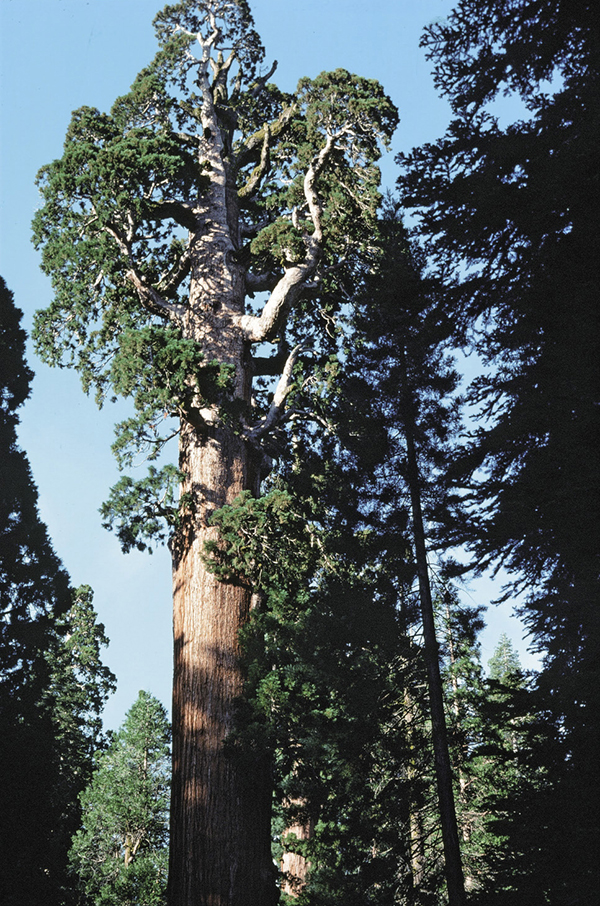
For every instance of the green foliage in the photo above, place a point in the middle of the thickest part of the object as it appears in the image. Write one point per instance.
(504, 665)
(525, 247)
(33, 585)
(335, 686)
(342, 102)
(360, 116)
(140, 509)
(120, 852)
(80, 685)
(233, 20)
(15, 376)
(166, 376)
(52, 682)
(120, 219)
(264, 539)
(110, 180)
(507, 217)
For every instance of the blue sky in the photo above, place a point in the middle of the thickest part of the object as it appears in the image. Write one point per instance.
(55, 56)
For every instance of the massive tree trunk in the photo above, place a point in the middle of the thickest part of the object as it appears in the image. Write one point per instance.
(221, 807)
(220, 815)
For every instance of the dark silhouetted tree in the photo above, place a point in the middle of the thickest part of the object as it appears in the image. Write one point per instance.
(508, 218)
(52, 683)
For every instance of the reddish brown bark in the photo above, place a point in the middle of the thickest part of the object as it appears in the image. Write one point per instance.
(220, 853)
(295, 867)
(220, 807)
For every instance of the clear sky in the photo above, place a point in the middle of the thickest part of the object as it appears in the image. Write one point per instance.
(56, 56)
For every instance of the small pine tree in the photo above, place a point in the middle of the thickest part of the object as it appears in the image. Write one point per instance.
(79, 685)
(507, 783)
(120, 853)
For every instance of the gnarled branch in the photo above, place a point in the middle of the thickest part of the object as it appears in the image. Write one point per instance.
(276, 411)
(181, 213)
(286, 293)
(249, 149)
(175, 276)
(259, 171)
(260, 283)
(150, 298)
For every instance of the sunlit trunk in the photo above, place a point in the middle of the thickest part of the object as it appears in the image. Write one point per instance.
(294, 866)
(220, 844)
(220, 811)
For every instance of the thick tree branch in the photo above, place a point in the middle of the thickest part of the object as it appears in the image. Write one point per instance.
(150, 298)
(276, 411)
(181, 213)
(177, 274)
(220, 70)
(208, 116)
(252, 229)
(253, 145)
(184, 137)
(259, 171)
(260, 283)
(310, 192)
(286, 293)
(265, 326)
(262, 80)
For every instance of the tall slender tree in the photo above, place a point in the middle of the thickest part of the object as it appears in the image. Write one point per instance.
(443, 767)
(509, 219)
(412, 389)
(204, 186)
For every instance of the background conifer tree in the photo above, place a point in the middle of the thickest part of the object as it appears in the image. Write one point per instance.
(508, 220)
(79, 685)
(52, 683)
(120, 853)
(410, 388)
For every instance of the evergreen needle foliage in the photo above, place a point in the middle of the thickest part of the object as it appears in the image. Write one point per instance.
(120, 852)
(53, 684)
(508, 219)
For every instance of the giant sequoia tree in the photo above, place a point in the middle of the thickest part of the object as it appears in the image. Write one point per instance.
(204, 186)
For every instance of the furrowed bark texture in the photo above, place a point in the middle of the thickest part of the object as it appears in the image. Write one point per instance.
(221, 808)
